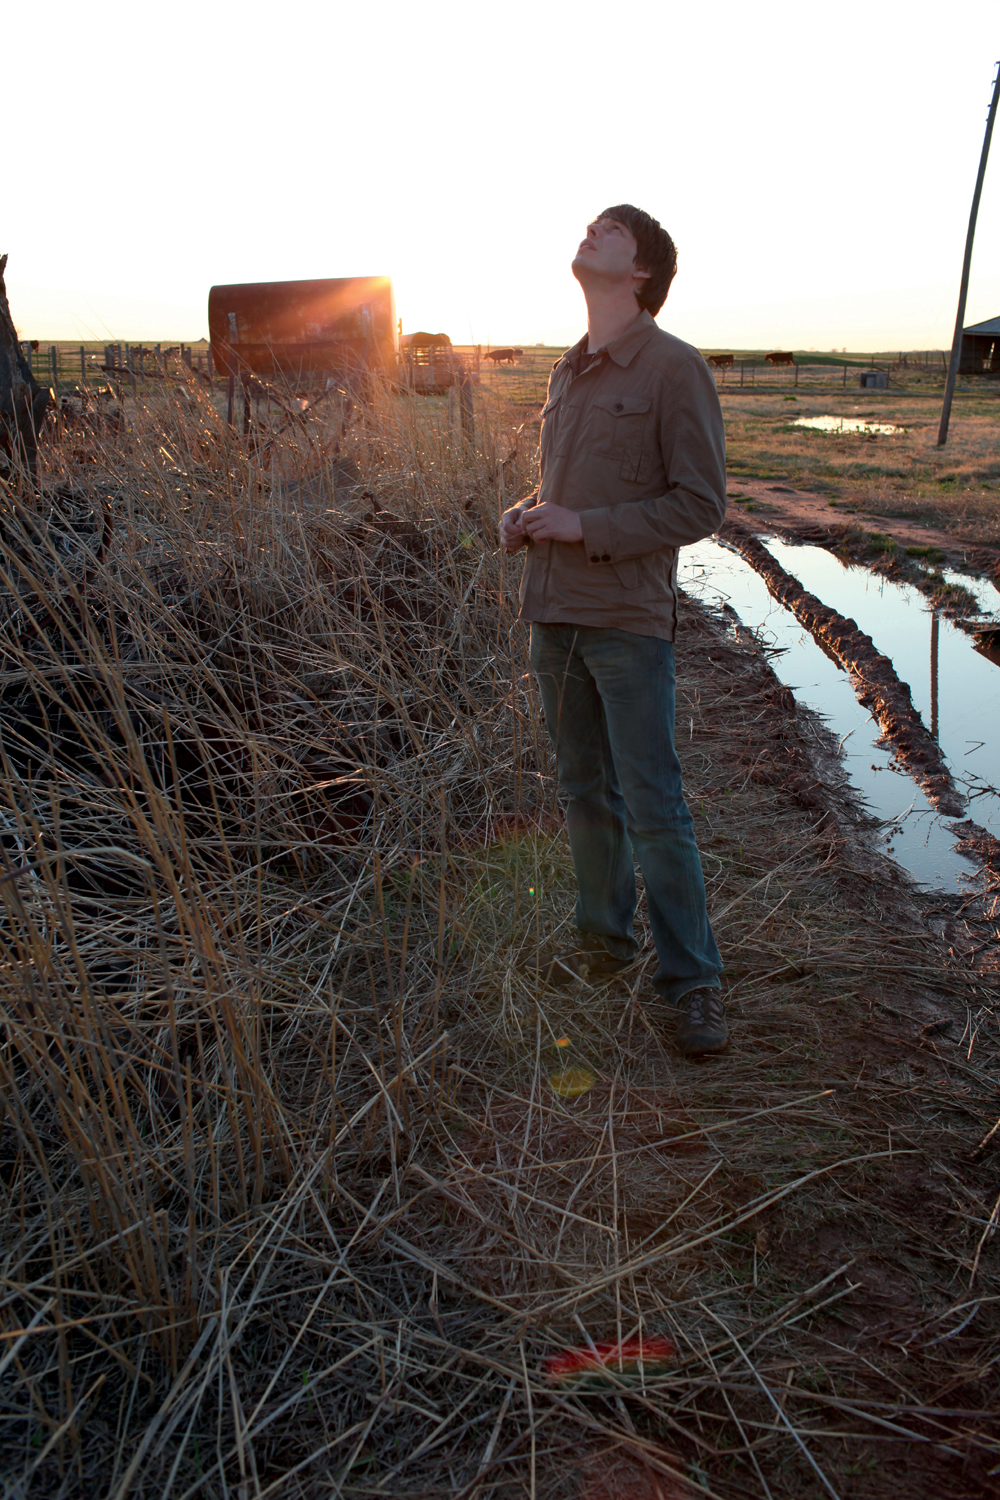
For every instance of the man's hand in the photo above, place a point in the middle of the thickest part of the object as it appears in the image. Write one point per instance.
(552, 523)
(512, 533)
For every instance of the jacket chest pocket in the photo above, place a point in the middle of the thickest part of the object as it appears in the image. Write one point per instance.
(620, 432)
(558, 425)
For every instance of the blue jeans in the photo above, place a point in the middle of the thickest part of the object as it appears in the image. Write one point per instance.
(608, 697)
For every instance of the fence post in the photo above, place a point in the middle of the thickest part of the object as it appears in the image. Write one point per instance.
(741, 374)
(467, 414)
(845, 375)
(796, 373)
(230, 394)
(83, 367)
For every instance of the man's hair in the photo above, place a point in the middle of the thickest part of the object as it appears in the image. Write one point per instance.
(655, 252)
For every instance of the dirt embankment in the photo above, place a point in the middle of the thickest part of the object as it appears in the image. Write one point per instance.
(897, 547)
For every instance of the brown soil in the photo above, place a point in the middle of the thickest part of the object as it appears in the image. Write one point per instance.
(863, 1029)
(811, 518)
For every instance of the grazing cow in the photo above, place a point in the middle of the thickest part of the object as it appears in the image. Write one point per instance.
(721, 361)
(780, 357)
(503, 356)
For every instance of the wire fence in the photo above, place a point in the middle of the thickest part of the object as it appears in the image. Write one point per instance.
(520, 374)
(871, 372)
(65, 367)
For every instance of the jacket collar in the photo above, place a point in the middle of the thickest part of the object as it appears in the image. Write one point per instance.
(625, 347)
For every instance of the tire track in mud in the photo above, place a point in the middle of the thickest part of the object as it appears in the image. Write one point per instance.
(873, 676)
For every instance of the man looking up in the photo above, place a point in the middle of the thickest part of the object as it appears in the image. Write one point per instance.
(632, 467)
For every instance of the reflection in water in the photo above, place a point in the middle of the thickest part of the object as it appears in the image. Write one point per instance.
(985, 593)
(988, 645)
(923, 843)
(960, 696)
(845, 424)
(934, 674)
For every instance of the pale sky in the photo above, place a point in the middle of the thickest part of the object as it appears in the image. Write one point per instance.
(814, 161)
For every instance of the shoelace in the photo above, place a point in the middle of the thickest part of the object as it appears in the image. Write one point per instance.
(703, 1006)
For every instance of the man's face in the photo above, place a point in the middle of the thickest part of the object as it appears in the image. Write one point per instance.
(607, 253)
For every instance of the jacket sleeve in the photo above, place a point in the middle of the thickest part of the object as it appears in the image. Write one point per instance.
(692, 445)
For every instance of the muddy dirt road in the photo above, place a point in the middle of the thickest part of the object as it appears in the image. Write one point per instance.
(875, 1005)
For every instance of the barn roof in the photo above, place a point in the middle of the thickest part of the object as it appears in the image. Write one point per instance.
(992, 325)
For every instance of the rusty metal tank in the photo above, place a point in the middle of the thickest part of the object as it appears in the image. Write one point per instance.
(345, 326)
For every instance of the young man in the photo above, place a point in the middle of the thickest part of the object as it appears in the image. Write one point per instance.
(632, 467)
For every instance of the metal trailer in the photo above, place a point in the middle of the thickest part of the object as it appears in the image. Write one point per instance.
(295, 328)
(428, 364)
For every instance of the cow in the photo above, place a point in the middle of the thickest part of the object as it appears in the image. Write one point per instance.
(503, 356)
(721, 361)
(780, 357)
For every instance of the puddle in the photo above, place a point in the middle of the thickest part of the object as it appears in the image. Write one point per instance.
(955, 689)
(986, 594)
(845, 424)
(915, 835)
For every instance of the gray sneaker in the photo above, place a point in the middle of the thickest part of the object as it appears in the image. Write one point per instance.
(701, 1022)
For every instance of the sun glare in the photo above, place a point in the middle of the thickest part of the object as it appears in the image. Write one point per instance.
(463, 157)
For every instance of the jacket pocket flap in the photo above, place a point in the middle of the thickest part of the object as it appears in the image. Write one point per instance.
(549, 405)
(623, 406)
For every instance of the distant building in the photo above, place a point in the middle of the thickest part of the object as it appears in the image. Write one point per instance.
(981, 349)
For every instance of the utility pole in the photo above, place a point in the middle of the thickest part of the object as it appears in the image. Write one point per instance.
(956, 348)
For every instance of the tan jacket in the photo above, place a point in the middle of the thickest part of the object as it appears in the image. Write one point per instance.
(636, 445)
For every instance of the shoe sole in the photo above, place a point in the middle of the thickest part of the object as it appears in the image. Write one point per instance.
(698, 1049)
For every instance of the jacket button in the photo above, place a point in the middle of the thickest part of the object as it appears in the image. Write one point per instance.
(619, 406)
(594, 557)
(606, 557)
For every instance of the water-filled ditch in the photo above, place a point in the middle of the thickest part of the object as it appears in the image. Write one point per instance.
(953, 688)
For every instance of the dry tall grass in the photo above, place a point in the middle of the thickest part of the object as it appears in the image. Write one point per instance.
(289, 1207)
(897, 474)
